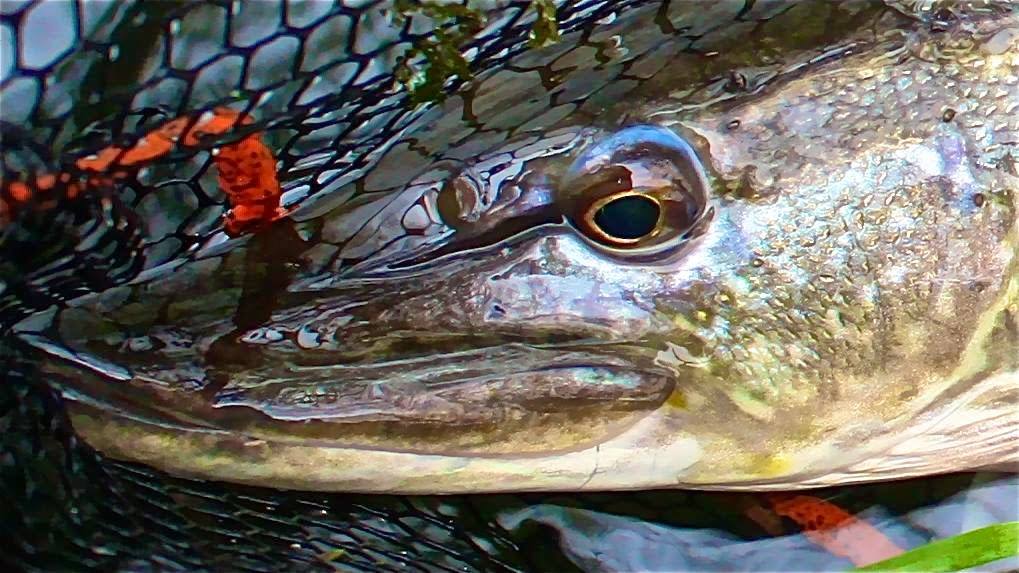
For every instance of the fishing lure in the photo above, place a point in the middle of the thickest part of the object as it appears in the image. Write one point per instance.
(246, 171)
(833, 528)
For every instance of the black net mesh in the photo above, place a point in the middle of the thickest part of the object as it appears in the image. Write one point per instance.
(328, 86)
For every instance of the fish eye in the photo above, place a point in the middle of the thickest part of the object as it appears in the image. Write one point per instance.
(641, 190)
(624, 218)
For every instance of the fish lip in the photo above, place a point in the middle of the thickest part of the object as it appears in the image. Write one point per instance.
(515, 375)
(476, 386)
(508, 406)
(413, 345)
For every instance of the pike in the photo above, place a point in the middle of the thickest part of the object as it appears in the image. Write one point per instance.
(806, 279)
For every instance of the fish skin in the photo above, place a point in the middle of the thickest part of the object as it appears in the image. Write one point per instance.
(799, 365)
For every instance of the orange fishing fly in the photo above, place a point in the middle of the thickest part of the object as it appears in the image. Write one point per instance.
(835, 529)
(246, 171)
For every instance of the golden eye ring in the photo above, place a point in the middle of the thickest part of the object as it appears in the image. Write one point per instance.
(595, 210)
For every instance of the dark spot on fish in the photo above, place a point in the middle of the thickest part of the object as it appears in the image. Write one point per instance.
(1008, 164)
(979, 199)
(1011, 323)
(948, 115)
(663, 22)
(496, 311)
(737, 82)
(942, 20)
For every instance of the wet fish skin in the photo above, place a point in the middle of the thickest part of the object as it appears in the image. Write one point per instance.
(853, 285)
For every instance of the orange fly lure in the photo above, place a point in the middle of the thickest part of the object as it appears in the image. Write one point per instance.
(834, 529)
(246, 171)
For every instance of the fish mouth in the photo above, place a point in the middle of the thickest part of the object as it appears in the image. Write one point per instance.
(515, 398)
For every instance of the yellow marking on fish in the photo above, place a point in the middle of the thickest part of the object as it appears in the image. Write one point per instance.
(685, 323)
(332, 555)
(677, 400)
(974, 358)
(772, 465)
(752, 405)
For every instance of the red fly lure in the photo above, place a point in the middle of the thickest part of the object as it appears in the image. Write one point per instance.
(834, 529)
(246, 171)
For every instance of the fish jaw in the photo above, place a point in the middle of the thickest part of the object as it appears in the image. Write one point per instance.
(942, 431)
(650, 454)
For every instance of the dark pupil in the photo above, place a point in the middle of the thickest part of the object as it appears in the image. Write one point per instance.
(630, 217)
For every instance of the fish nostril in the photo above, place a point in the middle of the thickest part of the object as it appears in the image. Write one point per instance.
(461, 201)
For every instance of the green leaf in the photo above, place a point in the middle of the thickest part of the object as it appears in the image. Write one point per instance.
(956, 553)
(454, 25)
(546, 28)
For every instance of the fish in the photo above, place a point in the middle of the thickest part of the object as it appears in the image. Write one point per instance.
(747, 272)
